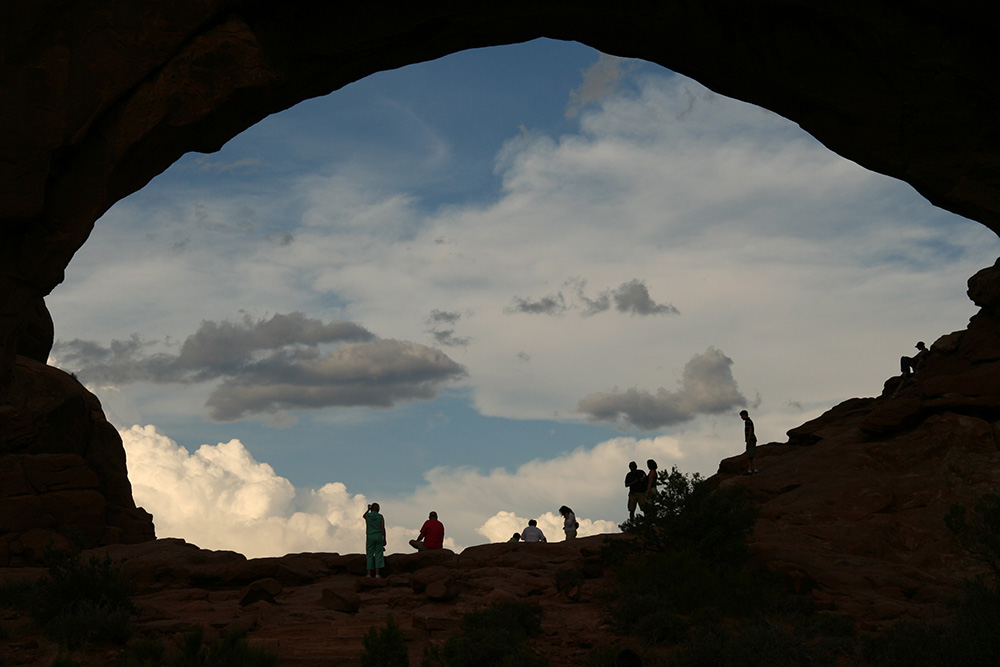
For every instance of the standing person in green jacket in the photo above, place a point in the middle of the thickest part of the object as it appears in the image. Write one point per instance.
(374, 539)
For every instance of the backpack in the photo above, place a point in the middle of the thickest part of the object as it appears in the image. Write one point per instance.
(642, 481)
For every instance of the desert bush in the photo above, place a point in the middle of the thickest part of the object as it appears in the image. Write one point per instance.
(231, 650)
(979, 533)
(760, 641)
(970, 639)
(683, 581)
(494, 637)
(687, 515)
(385, 647)
(76, 601)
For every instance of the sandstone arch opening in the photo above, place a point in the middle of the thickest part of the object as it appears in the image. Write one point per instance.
(753, 179)
(908, 94)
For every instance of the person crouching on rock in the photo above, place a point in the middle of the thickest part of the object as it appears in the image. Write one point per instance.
(375, 541)
(532, 533)
(431, 534)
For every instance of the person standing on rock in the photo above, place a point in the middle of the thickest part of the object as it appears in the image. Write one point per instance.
(533, 533)
(635, 480)
(751, 440)
(569, 522)
(375, 540)
(431, 534)
(651, 481)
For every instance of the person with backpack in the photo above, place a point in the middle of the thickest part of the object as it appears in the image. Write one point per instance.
(569, 522)
(635, 480)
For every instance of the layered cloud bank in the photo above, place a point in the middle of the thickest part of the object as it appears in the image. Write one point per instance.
(219, 497)
(267, 366)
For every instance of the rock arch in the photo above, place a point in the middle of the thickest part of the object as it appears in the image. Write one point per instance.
(101, 97)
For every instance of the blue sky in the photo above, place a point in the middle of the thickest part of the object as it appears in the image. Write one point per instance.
(481, 285)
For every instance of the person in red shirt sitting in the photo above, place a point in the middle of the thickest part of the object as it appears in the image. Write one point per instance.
(431, 534)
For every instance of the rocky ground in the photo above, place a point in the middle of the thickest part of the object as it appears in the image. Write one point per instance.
(314, 609)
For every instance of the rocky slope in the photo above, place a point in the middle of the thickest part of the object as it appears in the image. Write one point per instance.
(313, 609)
(854, 503)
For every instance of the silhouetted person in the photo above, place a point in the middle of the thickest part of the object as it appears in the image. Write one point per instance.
(533, 533)
(910, 365)
(374, 539)
(635, 480)
(751, 441)
(651, 481)
(516, 537)
(431, 534)
(569, 522)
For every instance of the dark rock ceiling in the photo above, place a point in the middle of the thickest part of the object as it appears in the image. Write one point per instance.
(100, 97)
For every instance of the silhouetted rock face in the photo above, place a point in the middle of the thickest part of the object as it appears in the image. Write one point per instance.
(99, 99)
(63, 477)
(854, 503)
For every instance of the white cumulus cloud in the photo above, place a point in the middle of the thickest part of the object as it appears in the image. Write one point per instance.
(220, 497)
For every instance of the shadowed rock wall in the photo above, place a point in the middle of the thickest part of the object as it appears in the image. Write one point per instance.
(100, 97)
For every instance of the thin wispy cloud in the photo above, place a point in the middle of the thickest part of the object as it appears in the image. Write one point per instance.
(601, 80)
(552, 304)
(442, 329)
(223, 167)
(631, 297)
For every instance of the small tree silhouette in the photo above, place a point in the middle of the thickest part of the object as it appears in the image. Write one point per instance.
(385, 647)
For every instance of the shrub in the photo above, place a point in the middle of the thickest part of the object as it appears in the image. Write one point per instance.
(979, 534)
(232, 650)
(81, 601)
(77, 601)
(685, 514)
(970, 639)
(385, 647)
(494, 637)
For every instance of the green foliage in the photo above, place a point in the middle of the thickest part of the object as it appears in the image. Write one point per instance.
(144, 653)
(568, 578)
(18, 593)
(77, 601)
(970, 640)
(685, 514)
(760, 641)
(612, 656)
(494, 637)
(81, 601)
(979, 534)
(683, 581)
(231, 650)
(385, 647)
